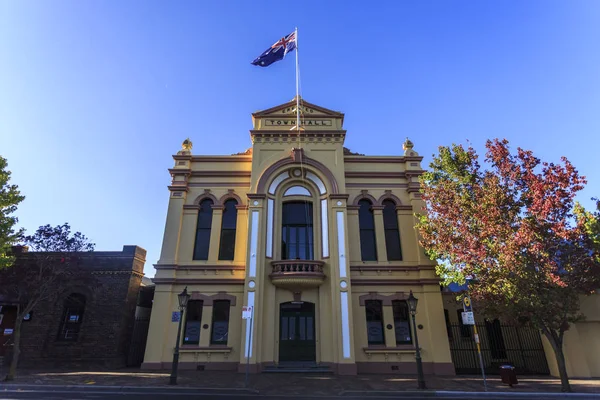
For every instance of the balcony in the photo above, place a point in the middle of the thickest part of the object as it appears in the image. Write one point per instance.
(296, 275)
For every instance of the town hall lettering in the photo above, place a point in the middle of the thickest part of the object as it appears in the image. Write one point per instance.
(292, 122)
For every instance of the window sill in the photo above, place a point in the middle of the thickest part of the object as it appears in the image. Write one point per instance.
(402, 349)
(204, 349)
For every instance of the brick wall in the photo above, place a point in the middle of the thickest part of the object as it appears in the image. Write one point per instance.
(107, 321)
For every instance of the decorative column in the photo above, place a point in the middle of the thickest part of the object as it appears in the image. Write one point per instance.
(408, 237)
(215, 233)
(255, 277)
(379, 234)
(241, 239)
(178, 189)
(388, 319)
(341, 289)
(353, 233)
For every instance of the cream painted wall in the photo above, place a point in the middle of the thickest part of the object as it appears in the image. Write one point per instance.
(341, 338)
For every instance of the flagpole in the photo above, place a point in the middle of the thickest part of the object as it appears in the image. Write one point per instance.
(297, 91)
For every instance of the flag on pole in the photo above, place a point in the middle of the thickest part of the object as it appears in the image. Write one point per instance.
(277, 51)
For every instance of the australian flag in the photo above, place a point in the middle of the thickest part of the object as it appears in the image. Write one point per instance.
(277, 51)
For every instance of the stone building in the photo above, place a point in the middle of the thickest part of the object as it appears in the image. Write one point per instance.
(319, 240)
(92, 325)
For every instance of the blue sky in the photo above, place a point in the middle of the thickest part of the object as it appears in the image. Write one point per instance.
(95, 96)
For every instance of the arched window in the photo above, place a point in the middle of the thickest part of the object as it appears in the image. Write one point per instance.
(203, 230)
(297, 231)
(392, 234)
(72, 318)
(401, 322)
(228, 229)
(366, 224)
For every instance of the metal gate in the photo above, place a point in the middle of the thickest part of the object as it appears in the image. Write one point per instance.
(138, 342)
(500, 344)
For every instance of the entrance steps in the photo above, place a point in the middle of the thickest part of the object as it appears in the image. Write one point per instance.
(298, 367)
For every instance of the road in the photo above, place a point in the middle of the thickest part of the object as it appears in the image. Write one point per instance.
(95, 395)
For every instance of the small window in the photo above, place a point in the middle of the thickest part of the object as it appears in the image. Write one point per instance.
(366, 224)
(220, 322)
(374, 313)
(193, 319)
(392, 233)
(203, 230)
(228, 229)
(465, 331)
(401, 322)
(72, 318)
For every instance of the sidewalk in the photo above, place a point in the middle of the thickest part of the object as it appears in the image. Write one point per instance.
(291, 384)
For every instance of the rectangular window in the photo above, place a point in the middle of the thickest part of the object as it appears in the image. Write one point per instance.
(401, 322)
(193, 320)
(220, 322)
(374, 313)
(227, 246)
(368, 245)
(297, 231)
(202, 244)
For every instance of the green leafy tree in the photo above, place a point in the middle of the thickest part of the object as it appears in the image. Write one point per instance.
(44, 275)
(10, 197)
(514, 227)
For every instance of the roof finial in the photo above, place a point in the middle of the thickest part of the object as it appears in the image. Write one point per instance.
(186, 147)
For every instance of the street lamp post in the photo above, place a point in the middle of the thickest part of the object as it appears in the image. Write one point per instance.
(412, 306)
(183, 298)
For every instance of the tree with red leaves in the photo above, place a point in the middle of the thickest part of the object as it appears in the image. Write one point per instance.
(514, 227)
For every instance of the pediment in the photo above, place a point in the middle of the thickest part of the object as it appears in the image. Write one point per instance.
(289, 110)
(283, 116)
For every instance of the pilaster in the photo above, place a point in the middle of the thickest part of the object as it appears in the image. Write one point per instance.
(188, 235)
(207, 312)
(408, 235)
(341, 290)
(255, 280)
(170, 245)
(241, 237)
(379, 234)
(215, 233)
(388, 319)
(353, 233)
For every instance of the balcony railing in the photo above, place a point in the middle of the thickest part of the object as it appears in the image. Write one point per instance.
(297, 274)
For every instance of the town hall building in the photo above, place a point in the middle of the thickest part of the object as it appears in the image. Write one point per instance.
(319, 240)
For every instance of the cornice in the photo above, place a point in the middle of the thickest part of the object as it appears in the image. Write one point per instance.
(198, 281)
(125, 272)
(394, 282)
(221, 174)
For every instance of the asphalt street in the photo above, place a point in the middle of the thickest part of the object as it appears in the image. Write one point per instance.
(85, 395)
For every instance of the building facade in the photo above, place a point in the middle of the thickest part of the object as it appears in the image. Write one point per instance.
(320, 241)
(91, 325)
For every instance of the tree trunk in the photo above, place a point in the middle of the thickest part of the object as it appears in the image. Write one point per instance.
(12, 370)
(565, 386)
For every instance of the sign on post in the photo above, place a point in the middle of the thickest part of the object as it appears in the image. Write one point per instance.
(175, 316)
(247, 312)
(468, 318)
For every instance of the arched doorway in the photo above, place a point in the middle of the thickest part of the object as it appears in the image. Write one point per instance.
(297, 332)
